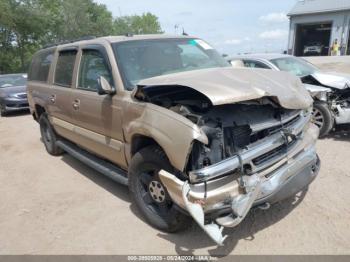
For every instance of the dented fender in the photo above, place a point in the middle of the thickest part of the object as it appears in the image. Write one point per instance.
(173, 132)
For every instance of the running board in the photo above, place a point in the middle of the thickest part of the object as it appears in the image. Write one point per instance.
(100, 165)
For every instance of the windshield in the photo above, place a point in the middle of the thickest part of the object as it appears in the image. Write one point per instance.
(143, 59)
(295, 66)
(13, 80)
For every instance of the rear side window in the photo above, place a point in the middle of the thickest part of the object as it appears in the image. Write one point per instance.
(65, 67)
(255, 64)
(39, 69)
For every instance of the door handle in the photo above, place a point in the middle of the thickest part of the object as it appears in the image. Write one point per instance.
(76, 104)
(52, 99)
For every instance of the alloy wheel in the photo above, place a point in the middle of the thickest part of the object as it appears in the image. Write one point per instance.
(317, 118)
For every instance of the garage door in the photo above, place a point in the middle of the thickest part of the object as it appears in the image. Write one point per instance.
(313, 39)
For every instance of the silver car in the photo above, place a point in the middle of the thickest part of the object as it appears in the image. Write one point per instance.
(330, 90)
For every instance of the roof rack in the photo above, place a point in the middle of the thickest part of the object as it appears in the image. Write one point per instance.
(69, 41)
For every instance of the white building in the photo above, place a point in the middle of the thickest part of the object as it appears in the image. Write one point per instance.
(316, 24)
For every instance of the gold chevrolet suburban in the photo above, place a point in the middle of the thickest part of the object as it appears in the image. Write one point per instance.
(191, 136)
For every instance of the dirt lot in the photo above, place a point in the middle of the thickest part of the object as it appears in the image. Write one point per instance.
(57, 205)
(339, 64)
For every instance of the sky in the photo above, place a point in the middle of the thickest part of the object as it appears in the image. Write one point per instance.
(231, 26)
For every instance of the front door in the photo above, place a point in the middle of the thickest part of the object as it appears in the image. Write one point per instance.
(97, 117)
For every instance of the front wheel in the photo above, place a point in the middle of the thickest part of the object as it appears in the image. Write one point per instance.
(322, 117)
(150, 195)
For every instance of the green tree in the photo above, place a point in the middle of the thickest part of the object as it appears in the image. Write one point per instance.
(147, 23)
(28, 25)
(21, 26)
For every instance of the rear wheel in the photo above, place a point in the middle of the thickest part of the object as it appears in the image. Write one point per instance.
(49, 136)
(322, 117)
(150, 195)
(3, 110)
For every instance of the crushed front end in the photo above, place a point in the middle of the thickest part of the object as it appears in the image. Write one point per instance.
(340, 104)
(258, 153)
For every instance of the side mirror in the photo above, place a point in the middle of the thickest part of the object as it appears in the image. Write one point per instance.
(104, 87)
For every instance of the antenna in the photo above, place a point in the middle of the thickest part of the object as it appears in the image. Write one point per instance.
(183, 32)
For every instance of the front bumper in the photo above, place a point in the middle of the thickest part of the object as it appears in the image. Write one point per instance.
(287, 176)
(15, 104)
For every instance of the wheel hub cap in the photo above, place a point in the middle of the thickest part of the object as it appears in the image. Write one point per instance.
(317, 118)
(157, 191)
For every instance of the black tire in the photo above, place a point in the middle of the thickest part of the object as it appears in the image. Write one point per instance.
(3, 110)
(49, 136)
(143, 171)
(322, 117)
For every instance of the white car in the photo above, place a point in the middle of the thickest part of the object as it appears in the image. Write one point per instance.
(313, 49)
(330, 90)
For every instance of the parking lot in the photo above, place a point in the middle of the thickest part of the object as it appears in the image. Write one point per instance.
(57, 205)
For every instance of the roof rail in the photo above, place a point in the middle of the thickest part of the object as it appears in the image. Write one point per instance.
(69, 41)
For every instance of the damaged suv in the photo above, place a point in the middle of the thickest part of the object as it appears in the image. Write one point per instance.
(169, 117)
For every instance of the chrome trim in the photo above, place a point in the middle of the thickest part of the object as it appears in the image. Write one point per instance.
(306, 163)
(247, 155)
(221, 193)
(279, 177)
(218, 193)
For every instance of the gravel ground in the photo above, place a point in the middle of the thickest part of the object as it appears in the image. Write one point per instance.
(57, 205)
(339, 64)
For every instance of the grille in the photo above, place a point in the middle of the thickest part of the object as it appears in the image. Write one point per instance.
(273, 153)
(18, 105)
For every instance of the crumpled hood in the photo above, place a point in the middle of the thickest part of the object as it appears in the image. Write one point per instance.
(333, 79)
(231, 85)
(315, 89)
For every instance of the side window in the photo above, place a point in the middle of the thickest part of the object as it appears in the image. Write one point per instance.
(40, 66)
(255, 64)
(65, 67)
(92, 66)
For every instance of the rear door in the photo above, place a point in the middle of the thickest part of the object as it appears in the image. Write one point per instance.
(59, 99)
(97, 117)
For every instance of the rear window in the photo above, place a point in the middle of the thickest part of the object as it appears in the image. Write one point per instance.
(39, 69)
(65, 67)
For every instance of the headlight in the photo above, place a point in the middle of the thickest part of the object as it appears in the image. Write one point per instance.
(13, 96)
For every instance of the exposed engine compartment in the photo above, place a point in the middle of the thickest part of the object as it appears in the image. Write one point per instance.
(229, 128)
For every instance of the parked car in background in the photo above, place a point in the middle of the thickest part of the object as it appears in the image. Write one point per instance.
(13, 93)
(314, 48)
(330, 90)
(169, 117)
